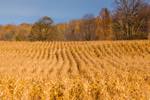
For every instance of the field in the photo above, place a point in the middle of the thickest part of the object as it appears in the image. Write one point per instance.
(107, 70)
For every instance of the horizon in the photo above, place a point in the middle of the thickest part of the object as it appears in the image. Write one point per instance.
(29, 11)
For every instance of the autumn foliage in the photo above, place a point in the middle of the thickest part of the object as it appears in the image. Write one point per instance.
(129, 20)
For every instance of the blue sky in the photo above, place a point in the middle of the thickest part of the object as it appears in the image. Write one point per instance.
(18, 11)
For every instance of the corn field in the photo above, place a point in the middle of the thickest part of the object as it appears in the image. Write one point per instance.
(104, 70)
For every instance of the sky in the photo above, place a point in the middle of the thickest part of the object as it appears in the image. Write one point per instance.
(29, 11)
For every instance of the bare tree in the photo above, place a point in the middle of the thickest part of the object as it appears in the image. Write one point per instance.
(40, 30)
(129, 19)
(148, 22)
(88, 27)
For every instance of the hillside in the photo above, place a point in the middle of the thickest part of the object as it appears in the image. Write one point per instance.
(103, 70)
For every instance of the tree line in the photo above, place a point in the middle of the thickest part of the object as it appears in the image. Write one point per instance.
(129, 20)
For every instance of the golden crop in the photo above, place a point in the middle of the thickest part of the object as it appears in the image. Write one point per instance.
(75, 70)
